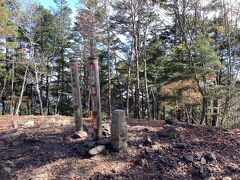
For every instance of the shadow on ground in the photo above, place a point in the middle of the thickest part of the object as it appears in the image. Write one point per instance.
(51, 153)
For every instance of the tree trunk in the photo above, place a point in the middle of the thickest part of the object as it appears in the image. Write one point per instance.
(230, 82)
(215, 112)
(120, 103)
(225, 111)
(163, 112)
(28, 108)
(3, 107)
(62, 83)
(47, 96)
(109, 75)
(204, 110)
(137, 86)
(128, 90)
(57, 104)
(32, 101)
(179, 114)
(129, 82)
(38, 90)
(22, 90)
(146, 88)
(4, 87)
(135, 42)
(12, 89)
(153, 106)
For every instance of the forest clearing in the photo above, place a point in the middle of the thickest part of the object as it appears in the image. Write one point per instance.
(46, 151)
(120, 89)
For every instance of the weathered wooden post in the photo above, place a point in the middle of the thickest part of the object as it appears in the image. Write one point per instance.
(119, 130)
(95, 93)
(76, 95)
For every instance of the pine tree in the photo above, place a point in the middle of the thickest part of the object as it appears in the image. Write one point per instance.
(62, 31)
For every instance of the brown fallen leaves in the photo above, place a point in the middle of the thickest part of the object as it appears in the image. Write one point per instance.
(198, 153)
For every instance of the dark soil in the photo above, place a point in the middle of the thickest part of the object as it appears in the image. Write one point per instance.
(48, 152)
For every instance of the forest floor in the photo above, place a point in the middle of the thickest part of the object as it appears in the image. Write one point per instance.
(42, 148)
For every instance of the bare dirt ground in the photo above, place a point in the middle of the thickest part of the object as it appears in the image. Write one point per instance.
(45, 150)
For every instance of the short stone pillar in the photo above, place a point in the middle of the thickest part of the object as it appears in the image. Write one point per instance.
(119, 130)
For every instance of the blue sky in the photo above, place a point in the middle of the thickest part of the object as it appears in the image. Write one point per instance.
(50, 3)
(71, 3)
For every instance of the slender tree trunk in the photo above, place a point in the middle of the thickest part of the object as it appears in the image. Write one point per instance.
(36, 78)
(215, 112)
(128, 88)
(130, 58)
(62, 83)
(179, 114)
(145, 76)
(137, 86)
(119, 84)
(12, 89)
(48, 90)
(153, 106)
(38, 90)
(47, 95)
(57, 104)
(28, 108)
(143, 105)
(230, 82)
(146, 89)
(109, 75)
(32, 101)
(158, 111)
(204, 110)
(3, 107)
(187, 114)
(22, 90)
(135, 42)
(163, 112)
(56, 111)
(86, 92)
(190, 113)
(225, 111)
(4, 87)
(193, 116)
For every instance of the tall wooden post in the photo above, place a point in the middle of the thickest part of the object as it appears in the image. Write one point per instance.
(77, 105)
(95, 93)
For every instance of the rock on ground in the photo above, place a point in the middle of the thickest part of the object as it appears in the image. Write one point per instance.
(5, 172)
(171, 121)
(227, 178)
(96, 150)
(169, 132)
(203, 161)
(80, 135)
(106, 129)
(179, 145)
(189, 158)
(7, 138)
(140, 128)
(210, 157)
(29, 124)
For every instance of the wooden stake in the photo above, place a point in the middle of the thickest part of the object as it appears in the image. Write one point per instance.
(77, 105)
(95, 93)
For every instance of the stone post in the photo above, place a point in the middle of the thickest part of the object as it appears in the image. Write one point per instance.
(119, 130)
